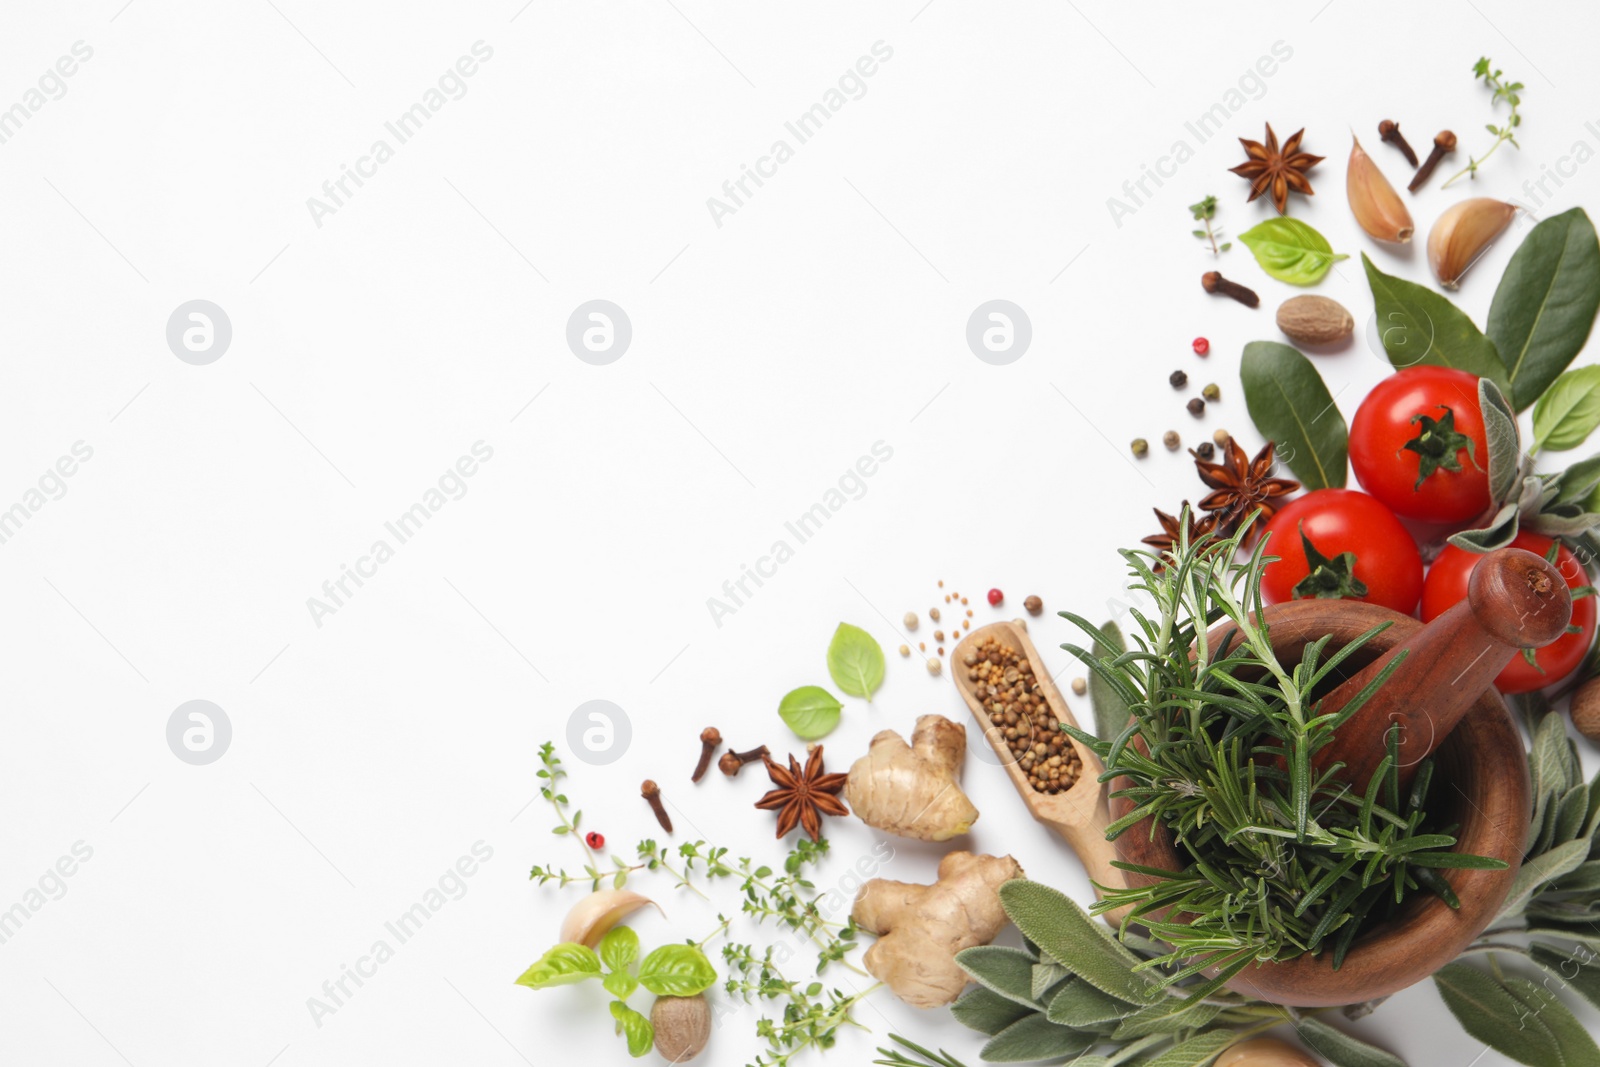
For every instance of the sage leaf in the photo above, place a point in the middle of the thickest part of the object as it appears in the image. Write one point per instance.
(810, 711)
(1576, 970)
(1501, 531)
(1584, 878)
(676, 971)
(640, 1034)
(1578, 481)
(855, 661)
(1339, 1048)
(1545, 305)
(565, 964)
(1418, 326)
(1046, 976)
(1570, 1036)
(1503, 437)
(1111, 712)
(1290, 404)
(1195, 1052)
(1489, 1012)
(1568, 412)
(1290, 250)
(1546, 867)
(1064, 932)
(988, 1012)
(1006, 971)
(1082, 1005)
(619, 948)
(1034, 1037)
(1166, 1016)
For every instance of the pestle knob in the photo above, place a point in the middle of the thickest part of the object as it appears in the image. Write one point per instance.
(1515, 600)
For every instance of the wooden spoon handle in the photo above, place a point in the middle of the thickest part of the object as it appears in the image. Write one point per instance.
(1515, 600)
(1096, 854)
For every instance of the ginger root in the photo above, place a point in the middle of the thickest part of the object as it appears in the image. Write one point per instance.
(911, 790)
(920, 928)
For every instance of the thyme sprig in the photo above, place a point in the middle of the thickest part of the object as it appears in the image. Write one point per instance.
(1506, 92)
(1280, 856)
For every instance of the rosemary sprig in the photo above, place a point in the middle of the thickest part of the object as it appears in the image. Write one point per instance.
(1280, 856)
(1510, 93)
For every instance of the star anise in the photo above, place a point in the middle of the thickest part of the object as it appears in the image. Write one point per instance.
(1279, 170)
(1167, 540)
(803, 796)
(1241, 486)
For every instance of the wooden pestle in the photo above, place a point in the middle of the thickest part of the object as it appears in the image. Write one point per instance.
(1515, 600)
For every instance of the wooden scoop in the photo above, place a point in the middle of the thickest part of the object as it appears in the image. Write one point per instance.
(1079, 814)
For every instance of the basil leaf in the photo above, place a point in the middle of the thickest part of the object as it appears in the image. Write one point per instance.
(1568, 411)
(1339, 1048)
(676, 971)
(619, 948)
(620, 984)
(1546, 302)
(987, 1012)
(1290, 250)
(565, 964)
(1033, 1037)
(1064, 932)
(855, 661)
(810, 711)
(641, 1035)
(1418, 326)
(1489, 1012)
(1289, 403)
(1111, 712)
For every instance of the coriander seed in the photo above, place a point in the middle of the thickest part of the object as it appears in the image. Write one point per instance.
(936, 667)
(933, 613)
(1079, 686)
(1170, 439)
(905, 650)
(1222, 437)
(1140, 447)
(910, 620)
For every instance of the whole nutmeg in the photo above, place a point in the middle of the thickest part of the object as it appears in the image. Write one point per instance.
(1315, 320)
(682, 1025)
(1586, 709)
(1266, 1052)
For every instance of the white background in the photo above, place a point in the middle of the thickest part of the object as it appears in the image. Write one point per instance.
(769, 353)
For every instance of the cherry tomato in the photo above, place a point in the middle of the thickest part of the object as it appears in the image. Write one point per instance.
(1447, 586)
(1359, 551)
(1417, 444)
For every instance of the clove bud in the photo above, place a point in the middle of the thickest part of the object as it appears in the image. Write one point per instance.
(652, 795)
(709, 740)
(1443, 145)
(1377, 207)
(733, 762)
(1389, 130)
(1213, 282)
(1463, 233)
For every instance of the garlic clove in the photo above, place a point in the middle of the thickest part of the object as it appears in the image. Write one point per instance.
(1377, 207)
(598, 912)
(1463, 233)
(1265, 1052)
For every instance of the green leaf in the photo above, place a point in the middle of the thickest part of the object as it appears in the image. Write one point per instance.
(1195, 1052)
(1545, 1009)
(1546, 867)
(810, 711)
(855, 661)
(1504, 440)
(1290, 250)
(1290, 404)
(565, 964)
(988, 1012)
(1569, 411)
(1034, 1037)
(1418, 326)
(1064, 932)
(1111, 712)
(1576, 969)
(1491, 1013)
(1166, 1016)
(640, 1034)
(1340, 1049)
(1546, 302)
(1006, 971)
(619, 948)
(1082, 1005)
(676, 971)
(1046, 977)
(620, 984)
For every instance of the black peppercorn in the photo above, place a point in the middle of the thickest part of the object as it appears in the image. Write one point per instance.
(1178, 379)
(1205, 450)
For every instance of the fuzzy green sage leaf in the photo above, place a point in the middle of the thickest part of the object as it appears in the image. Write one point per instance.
(676, 971)
(855, 660)
(1064, 932)
(1110, 710)
(1290, 250)
(1290, 404)
(810, 711)
(1339, 1048)
(1489, 1012)
(1545, 305)
(1417, 326)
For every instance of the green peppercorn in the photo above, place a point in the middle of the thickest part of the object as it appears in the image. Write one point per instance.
(1211, 392)
(1141, 447)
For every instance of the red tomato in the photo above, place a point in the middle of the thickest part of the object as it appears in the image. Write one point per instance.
(1360, 552)
(1447, 586)
(1417, 444)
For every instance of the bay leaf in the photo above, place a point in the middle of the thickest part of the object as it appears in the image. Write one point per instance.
(1545, 305)
(1417, 326)
(1290, 404)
